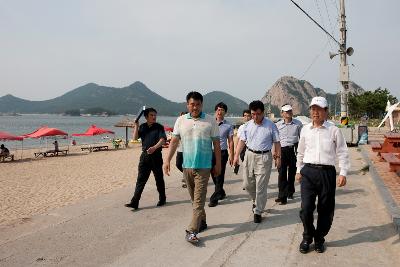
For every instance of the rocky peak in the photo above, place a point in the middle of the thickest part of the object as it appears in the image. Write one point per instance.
(298, 93)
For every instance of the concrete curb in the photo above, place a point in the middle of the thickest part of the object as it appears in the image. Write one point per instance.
(391, 206)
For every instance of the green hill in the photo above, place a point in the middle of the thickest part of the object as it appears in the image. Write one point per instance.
(126, 100)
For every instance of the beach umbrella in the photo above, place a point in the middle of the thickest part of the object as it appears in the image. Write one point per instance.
(4, 136)
(168, 129)
(93, 130)
(44, 132)
(127, 123)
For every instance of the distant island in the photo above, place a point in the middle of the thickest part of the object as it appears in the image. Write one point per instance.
(102, 100)
(93, 99)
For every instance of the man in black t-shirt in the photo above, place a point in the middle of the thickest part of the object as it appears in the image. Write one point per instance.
(153, 137)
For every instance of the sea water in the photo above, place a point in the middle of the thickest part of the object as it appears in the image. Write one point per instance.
(27, 123)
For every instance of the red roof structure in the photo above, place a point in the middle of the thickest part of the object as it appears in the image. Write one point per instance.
(4, 136)
(43, 132)
(93, 130)
(168, 129)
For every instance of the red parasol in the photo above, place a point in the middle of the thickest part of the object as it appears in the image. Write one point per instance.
(168, 129)
(93, 130)
(43, 132)
(4, 136)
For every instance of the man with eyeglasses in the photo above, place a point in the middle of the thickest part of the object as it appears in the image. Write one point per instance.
(261, 136)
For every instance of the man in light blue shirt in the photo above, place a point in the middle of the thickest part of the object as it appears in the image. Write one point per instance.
(289, 133)
(198, 133)
(260, 135)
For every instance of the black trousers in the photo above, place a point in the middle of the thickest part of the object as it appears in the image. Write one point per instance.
(321, 183)
(287, 172)
(149, 163)
(219, 180)
(179, 160)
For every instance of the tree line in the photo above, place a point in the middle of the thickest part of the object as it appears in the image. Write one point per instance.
(370, 103)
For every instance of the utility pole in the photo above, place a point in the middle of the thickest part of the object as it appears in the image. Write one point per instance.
(343, 68)
(343, 52)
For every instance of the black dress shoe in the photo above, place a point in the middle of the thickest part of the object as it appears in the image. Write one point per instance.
(304, 246)
(222, 197)
(203, 226)
(290, 196)
(134, 206)
(283, 202)
(213, 204)
(278, 199)
(161, 203)
(319, 247)
(257, 218)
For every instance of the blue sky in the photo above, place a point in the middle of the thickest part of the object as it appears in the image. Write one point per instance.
(50, 47)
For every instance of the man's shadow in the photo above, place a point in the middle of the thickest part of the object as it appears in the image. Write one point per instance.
(274, 218)
(367, 234)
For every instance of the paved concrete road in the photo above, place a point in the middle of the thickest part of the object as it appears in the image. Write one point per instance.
(102, 232)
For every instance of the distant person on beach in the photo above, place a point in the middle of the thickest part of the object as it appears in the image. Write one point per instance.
(179, 157)
(197, 133)
(246, 118)
(260, 135)
(319, 146)
(227, 152)
(4, 152)
(289, 133)
(153, 137)
(55, 143)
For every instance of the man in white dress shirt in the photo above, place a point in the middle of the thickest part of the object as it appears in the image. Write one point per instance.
(319, 146)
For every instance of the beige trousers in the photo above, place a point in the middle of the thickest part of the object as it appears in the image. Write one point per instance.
(256, 173)
(197, 181)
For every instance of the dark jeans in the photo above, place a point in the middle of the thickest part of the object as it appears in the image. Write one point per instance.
(147, 164)
(219, 180)
(179, 160)
(319, 182)
(287, 172)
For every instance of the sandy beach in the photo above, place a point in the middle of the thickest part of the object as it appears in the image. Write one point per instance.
(33, 186)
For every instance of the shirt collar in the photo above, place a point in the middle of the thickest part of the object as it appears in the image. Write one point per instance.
(326, 124)
(202, 116)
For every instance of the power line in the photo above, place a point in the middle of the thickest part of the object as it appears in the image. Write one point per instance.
(314, 60)
(322, 21)
(315, 22)
(329, 18)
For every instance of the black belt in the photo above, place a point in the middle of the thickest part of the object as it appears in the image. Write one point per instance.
(319, 166)
(287, 147)
(258, 151)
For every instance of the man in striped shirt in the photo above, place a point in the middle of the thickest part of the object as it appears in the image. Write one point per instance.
(289, 133)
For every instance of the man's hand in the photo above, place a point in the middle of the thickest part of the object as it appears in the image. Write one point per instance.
(230, 161)
(151, 150)
(298, 177)
(167, 167)
(341, 181)
(217, 169)
(235, 161)
(278, 163)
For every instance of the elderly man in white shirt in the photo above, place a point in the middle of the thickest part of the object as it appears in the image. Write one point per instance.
(319, 146)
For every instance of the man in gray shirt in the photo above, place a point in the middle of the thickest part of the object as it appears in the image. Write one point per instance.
(226, 142)
(289, 134)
